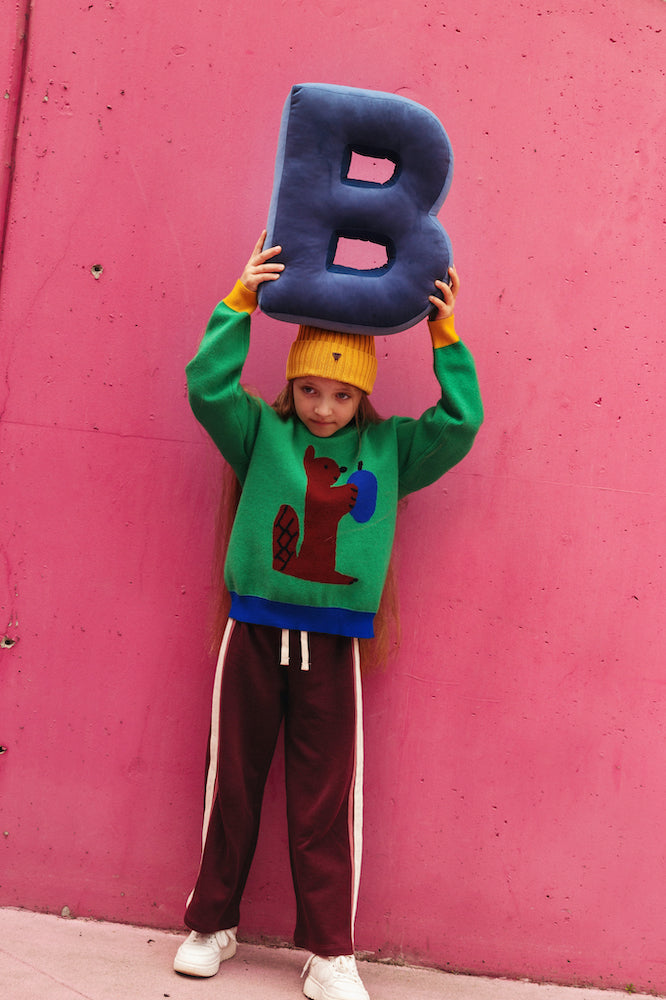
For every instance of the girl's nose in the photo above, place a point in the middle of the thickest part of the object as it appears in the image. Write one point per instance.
(323, 407)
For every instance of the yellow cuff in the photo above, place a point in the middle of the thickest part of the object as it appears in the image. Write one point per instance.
(241, 299)
(443, 332)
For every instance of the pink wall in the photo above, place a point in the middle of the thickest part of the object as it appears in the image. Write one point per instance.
(516, 771)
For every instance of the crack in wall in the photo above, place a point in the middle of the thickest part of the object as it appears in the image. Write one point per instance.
(15, 97)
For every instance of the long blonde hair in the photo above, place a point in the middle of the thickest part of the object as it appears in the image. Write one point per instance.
(375, 652)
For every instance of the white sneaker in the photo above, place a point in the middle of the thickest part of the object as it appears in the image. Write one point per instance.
(333, 979)
(201, 954)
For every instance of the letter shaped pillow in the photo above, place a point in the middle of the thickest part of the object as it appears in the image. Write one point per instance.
(315, 204)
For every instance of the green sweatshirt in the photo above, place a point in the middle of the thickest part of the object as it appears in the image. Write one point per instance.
(312, 536)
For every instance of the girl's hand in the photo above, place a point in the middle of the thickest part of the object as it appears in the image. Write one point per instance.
(445, 304)
(260, 267)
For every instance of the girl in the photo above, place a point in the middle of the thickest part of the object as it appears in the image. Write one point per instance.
(321, 477)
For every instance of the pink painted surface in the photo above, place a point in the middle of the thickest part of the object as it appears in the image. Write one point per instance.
(515, 749)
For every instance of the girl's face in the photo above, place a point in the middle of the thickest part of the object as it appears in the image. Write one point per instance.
(324, 405)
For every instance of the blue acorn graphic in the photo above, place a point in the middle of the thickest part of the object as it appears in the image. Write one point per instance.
(366, 501)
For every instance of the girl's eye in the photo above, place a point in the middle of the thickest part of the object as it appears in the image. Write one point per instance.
(343, 396)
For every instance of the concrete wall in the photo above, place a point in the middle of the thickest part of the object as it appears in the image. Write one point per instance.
(516, 762)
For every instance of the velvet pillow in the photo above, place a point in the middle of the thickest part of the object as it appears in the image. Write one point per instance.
(328, 203)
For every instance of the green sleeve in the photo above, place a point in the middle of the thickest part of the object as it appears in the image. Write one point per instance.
(442, 436)
(229, 414)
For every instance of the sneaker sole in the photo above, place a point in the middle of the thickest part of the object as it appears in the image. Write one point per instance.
(204, 971)
(314, 990)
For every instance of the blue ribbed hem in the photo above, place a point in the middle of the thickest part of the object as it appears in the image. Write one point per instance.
(334, 621)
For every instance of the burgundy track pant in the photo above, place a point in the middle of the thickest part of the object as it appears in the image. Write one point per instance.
(318, 694)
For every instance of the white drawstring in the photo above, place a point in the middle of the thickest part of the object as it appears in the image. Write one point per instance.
(305, 652)
(284, 650)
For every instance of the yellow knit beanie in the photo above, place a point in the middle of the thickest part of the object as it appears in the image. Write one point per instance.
(345, 357)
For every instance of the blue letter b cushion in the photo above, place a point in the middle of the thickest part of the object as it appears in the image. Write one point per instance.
(318, 205)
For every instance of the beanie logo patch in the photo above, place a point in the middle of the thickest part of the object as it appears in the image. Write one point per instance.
(336, 357)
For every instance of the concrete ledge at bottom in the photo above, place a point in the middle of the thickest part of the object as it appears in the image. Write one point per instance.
(48, 956)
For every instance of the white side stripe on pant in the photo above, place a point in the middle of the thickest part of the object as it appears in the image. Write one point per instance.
(356, 803)
(211, 777)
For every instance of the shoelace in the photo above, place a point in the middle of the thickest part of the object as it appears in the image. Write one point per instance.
(344, 965)
(204, 939)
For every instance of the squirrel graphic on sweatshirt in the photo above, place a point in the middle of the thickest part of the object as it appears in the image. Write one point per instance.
(325, 506)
